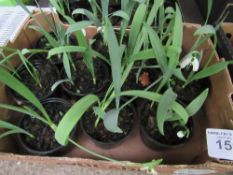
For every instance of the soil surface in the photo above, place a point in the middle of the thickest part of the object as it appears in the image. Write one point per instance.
(191, 91)
(141, 81)
(100, 133)
(44, 136)
(170, 132)
(48, 75)
(83, 80)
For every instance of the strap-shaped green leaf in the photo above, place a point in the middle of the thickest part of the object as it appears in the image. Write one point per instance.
(165, 108)
(122, 14)
(21, 89)
(104, 6)
(111, 121)
(178, 29)
(143, 55)
(78, 26)
(115, 53)
(178, 109)
(136, 26)
(89, 15)
(211, 70)
(48, 36)
(72, 116)
(24, 110)
(160, 54)
(197, 103)
(67, 49)
(154, 10)
(12, 129)
(205, 30)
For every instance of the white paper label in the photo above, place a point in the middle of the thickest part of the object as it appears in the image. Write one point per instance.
(220, 143)
(12, 20)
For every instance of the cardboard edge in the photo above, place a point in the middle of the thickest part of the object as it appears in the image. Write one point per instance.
(104, 165)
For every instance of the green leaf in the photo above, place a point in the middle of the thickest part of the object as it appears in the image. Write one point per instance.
(100, 56)
(178, 73)
(78, 26)
(99, 112)
(57, 83)
(136, 26)
(104, 6)
(24, 110)
(72, 116)
(178, 29)
(88, 60)
(205, 30)
(89, 15)
(22, 90)
(209, 7)
(13, 129)
(197, 103)
(158, 48)
(179, 109)
(111, 121)
(121, 14)
(211, 70)
(66, 64)
(67, 49)
(48, 36)
(172, 53)
(143, 55)
(154, 10)
(164, 108)
(115, 53)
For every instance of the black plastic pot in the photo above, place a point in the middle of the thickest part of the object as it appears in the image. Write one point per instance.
(110, 141)
(83, 75)
(47, 79)
(161, 142)
(38, 146)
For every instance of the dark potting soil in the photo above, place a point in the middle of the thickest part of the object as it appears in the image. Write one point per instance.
(101, 47)
(44, 139)
(191, 91)
(145, 78)
(83, 80)
(170, 132)
(100, 133)
(48, 75)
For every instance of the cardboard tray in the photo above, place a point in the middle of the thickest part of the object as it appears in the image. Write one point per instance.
(216, 113)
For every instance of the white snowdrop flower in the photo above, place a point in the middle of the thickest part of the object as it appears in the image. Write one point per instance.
(84, 32)
(195, 64)
(190, 59)
(186, 61)
(99, 29)
(180, 134)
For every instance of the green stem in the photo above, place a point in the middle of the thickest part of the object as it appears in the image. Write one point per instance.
(93, 153)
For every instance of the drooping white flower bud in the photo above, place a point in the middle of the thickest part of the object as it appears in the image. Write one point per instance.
(180, 134)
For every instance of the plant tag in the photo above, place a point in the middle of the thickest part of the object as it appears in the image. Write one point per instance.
(11, 21)
(220, 143)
